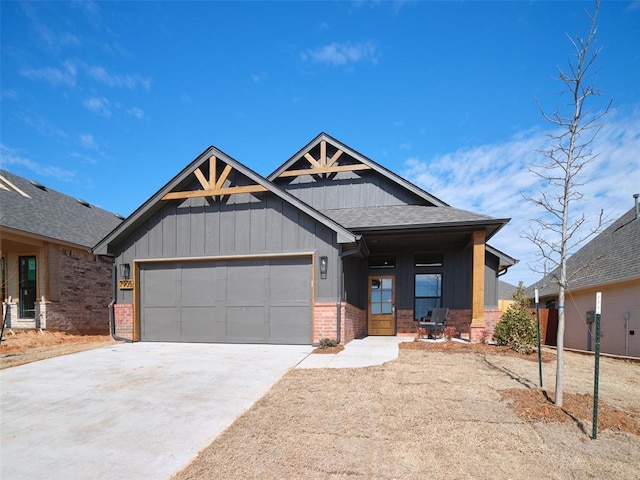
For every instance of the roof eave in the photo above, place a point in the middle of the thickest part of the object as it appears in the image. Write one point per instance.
(498, 223)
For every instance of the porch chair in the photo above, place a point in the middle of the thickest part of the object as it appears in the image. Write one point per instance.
(436, 322)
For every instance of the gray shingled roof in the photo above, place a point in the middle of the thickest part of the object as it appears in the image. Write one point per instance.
(506, 290)
(52, 214)
(612, 256)
(404, 215)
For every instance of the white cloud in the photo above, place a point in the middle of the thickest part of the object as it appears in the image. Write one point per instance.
(10, 94)
(87, 141)
(54, 76)
(99, 105)
(136, 112)
(9, 156)
(115, 80)
(490, 179)
(341, 54)
(43, 125)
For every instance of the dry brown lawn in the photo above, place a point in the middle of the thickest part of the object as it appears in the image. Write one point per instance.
(19, 347)
(435, 414)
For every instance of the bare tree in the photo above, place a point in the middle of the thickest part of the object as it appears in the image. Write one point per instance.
(557, 233)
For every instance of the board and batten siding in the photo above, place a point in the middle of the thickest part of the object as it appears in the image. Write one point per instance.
(362, 188)
(240, 225)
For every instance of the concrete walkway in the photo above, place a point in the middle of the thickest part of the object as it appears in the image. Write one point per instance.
(130, 411)
(358, 353)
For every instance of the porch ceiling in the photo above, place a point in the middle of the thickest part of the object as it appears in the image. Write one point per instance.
(422, 239)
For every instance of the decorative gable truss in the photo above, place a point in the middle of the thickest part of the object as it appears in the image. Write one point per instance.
(215, 185)
(323, 164)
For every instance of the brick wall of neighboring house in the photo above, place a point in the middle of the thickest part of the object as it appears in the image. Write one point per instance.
(352, 321)
(123, 315)
(83, 290)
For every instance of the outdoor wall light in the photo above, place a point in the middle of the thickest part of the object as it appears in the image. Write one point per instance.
(125, 271)
(324, 262)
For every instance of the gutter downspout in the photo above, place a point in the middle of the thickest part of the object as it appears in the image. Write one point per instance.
(112, 313)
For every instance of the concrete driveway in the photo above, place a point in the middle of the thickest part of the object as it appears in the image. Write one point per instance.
(140, 410)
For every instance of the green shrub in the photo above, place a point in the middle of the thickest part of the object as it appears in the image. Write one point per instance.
(517, 328)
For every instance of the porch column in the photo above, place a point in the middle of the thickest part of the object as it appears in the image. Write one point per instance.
(477, 288)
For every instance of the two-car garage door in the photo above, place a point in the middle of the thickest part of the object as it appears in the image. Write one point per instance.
(259, 300)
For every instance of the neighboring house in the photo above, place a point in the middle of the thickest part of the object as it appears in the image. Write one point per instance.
(610, 264)
(330, 245)
(48, 270)
(505, 295)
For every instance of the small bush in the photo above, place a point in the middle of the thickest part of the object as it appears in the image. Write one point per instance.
(517, 329)
(450, 332)
(328, 343)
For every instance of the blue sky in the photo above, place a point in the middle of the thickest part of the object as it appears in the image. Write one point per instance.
(107, 101)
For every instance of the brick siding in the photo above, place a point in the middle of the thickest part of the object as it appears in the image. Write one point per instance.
(405, 322)
(491, 319)
(123, 315)
(353, 322)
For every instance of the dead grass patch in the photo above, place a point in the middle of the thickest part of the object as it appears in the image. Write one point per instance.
(428, 414)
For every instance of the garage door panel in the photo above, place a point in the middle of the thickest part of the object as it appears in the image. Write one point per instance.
(198, 285)
(159, 287)
(200, 322)
(246, 284)
(289, 325)
(161, 324)
(289, 284)
(246, 324)
(261, 300)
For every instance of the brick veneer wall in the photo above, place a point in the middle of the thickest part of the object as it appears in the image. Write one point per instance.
(491, 319)
(123, 316)
(460, 318)
(85, 287)
(405, 322)
(353, 321)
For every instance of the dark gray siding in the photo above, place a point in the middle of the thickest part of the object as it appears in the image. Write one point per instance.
(244, 224)
(362, 188)
(456, 279)
(354, 274)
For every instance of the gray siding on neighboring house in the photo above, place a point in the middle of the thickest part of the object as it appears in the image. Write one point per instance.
(363, 188)
(491, 280)
(242, 224)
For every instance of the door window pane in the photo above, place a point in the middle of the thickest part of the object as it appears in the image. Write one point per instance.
(381, 291)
